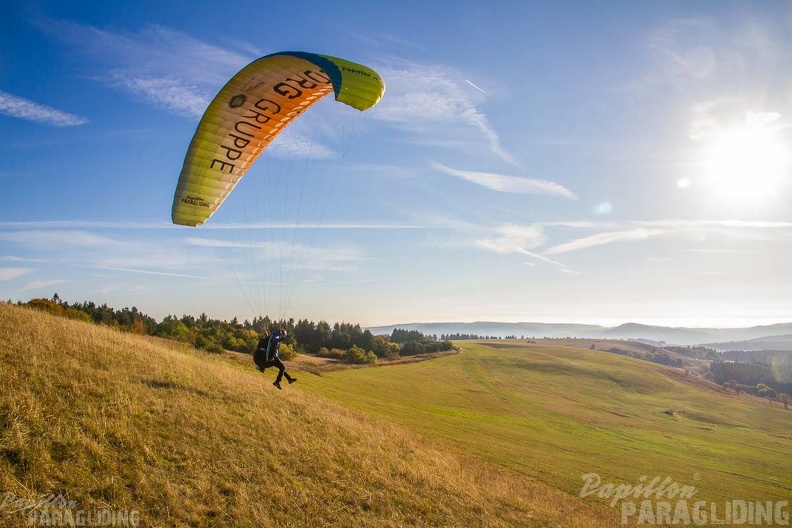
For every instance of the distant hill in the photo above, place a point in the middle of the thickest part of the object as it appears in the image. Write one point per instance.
(496, 329)
(779, 342)
(657, 334)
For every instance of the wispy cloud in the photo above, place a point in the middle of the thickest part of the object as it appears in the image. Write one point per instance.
(172, 94)
(179, 73)
(421, 97)
(58, 239)
(517, 239)
(84, 249)
(677, 224)
(167, 68)
(291, 144)
(513, 238)
(13, 273)
(152, 52)
(694, 229)
(684, 48)
(122, 287)
(603, 239)
(290, 255)
(172, 70)
(157, 273)
(509, 184)
(84, 224)
(39, 284)
(20, 108)
(476, 87)
(343, 283)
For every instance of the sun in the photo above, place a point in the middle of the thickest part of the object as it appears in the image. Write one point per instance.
(746, 164)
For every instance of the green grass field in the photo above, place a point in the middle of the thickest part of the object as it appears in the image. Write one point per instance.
(498, 435)
(555, 413)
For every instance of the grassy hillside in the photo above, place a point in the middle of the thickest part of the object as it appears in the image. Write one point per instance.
(116, 421)
(554, 413)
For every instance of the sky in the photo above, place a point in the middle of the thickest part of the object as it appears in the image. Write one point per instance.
(583, 162)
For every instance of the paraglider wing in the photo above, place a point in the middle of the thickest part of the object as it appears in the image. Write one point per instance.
(250, 111)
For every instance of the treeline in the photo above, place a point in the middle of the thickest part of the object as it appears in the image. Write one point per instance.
(658, 356)
(468, 337)
(749, 376)
(344, 341)
(773, 357)
(695, 352)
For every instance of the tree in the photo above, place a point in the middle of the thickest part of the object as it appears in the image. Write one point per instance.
(400, 335)
(172, 328)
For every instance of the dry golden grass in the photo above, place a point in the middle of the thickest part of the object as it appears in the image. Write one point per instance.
(112, 420)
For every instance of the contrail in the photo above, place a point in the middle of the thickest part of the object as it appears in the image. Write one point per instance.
(476, 87)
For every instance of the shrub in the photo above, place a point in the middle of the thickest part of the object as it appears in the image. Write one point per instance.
(331, 353)
(765, 391)
(358, 356)
(286, 352)
(215, 348)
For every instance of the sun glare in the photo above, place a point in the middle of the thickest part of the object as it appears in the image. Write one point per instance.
(746, 165)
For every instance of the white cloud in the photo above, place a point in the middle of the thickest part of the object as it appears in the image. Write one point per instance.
(509, 184)
(18, 107)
